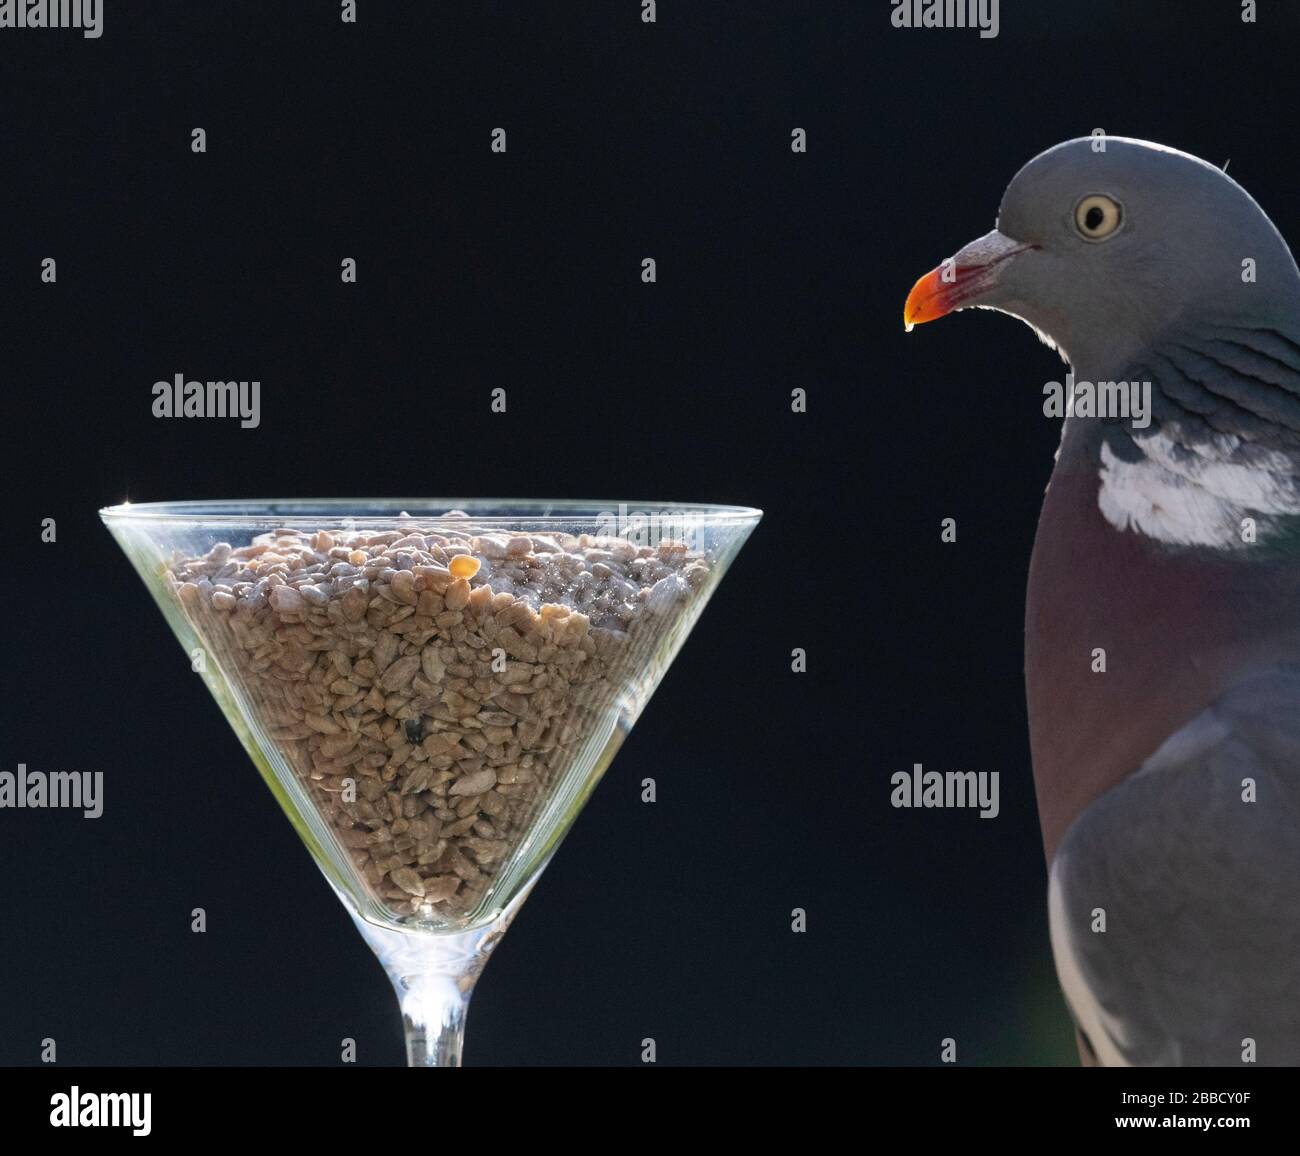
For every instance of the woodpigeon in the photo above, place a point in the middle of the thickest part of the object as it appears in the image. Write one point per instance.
(1162, 627)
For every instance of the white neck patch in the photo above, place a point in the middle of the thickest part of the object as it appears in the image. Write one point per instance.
(1197, 495)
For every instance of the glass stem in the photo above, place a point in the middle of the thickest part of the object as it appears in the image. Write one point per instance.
(434, 974)
(434, 1007)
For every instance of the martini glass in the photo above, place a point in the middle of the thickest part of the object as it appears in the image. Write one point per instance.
(431, 689)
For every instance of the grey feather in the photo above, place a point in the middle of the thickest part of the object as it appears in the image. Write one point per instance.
(1225, 398)
(1201, 947)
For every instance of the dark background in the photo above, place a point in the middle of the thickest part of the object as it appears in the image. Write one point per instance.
(522, 270)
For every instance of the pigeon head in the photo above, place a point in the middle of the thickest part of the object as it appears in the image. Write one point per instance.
(1103, 245)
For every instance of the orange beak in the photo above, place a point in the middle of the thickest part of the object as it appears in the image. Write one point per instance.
(931, 297)
(955, 283)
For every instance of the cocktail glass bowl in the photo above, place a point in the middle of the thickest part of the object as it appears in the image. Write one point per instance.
(431, 688)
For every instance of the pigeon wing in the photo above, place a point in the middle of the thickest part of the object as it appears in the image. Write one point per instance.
(1175, 897)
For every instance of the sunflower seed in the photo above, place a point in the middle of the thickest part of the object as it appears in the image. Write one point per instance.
(375, 671)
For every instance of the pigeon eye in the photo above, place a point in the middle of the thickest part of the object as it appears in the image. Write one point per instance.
(1097, 216)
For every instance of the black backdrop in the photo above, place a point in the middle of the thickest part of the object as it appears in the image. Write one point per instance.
(522, 270)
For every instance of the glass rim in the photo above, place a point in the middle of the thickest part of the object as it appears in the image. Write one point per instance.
(314, 511)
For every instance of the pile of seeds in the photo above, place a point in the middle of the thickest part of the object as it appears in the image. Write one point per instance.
(431, 686)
